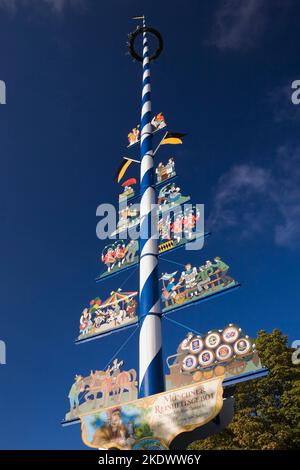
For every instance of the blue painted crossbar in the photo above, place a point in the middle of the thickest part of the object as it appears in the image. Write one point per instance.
(91, 338)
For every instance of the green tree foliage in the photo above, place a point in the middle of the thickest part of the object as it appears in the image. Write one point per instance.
(267, 410)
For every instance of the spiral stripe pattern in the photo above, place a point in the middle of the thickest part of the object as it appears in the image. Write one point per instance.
(151, 374)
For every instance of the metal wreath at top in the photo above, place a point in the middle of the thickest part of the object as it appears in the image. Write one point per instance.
(145, 29)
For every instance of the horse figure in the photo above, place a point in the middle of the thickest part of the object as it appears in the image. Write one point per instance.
(125, 380)
(103, 383)
(97, 383)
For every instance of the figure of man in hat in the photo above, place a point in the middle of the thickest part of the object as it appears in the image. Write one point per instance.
(158, 121)
(99, 318)
(209, 268)
(131, 249)
(203, 279)
(189, 223)
(177, 227)
(115, 368)
(223, 268)
(185, 344)
(74, 392)
(189, 278)
(131, 308)
(159, 171)
(173, 194)
(120, 253)
(170, 167)
(169, 289)
(114, 371)
(133, 136)
(85, 322)
(109, 258)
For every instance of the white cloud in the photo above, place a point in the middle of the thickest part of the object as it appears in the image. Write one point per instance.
(252, 200)
(281, 103)
(55, 5)
(239, 24)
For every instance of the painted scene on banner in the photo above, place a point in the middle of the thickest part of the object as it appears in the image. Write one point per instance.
(169, 197)
(175, 229)
(101, 389)
(152, 423)
(194, 283)
(128, 189)
(163, 172)
(228, 352)
(158, 123)
(119, 310)
(119, 255)
(129, 217)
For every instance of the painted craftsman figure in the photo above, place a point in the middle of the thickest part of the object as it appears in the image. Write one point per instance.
(85, 323)
(131, 250)
(115, 368)
(203, 279)
(177, 227)
(74, 392)
(128, 217)
(170, 167)
(109, 258)
(158, 122)
(169, 194)
(164, 226)
(223, 268)
(169, 289)
(134, 135)
(165, 172)
(120, 252)
(189, 279)
(190, 223)
(127, 192)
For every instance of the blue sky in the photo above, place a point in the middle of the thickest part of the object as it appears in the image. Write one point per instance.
(72, 96)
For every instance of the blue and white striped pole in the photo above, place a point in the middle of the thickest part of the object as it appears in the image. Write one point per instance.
(151, 373)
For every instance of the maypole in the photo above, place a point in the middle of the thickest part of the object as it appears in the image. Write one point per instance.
(151, 373)
(114, 414)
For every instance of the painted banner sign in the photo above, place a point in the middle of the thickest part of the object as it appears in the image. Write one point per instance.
(153, 422)
(129, 217)
(101, 389)
(165, 171)
(193, 284)
(228, 352)
(128, 189)
(119, 310)
(158, 123)
(119, 255)
(170, 196)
